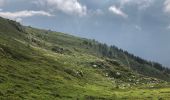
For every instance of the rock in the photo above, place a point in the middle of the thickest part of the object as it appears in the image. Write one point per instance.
(106, 75)
(80, 73)
(94, 66)
(117, 73)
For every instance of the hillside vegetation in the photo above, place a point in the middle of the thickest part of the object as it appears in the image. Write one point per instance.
(38, 64)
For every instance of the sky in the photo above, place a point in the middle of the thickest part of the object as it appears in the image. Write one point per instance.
(141, 27)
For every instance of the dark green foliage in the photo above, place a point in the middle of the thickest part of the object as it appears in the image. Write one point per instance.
(16, 25)
(8, 52)
(158, 66)
(114, 62)
(57, 49)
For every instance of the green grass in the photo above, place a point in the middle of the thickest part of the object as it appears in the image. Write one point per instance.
(31, 69)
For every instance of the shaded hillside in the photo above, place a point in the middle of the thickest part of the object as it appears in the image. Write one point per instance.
(45, 65)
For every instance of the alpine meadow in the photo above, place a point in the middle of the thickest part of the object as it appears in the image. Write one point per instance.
(45, 64)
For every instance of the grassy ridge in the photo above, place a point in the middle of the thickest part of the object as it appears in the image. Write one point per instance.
(44, 65)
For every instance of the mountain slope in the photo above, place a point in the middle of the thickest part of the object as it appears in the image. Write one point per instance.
(41, 64)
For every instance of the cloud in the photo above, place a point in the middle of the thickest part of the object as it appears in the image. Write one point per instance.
(71, 7)
(117, 11)
(23, 14)
(122, 4)
(2, 2)
(167, 6)
(141, 4)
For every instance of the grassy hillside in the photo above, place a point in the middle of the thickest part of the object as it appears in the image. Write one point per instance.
(45, 65)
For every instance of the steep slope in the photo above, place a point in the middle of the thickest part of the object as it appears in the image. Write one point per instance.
(41, 64)
(97, 49)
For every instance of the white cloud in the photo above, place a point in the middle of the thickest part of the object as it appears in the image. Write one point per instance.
(167, 6)
(2, 2)
(142, 4)
(18, 19)
(23, 14)
(71, 7)
(117, 11)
